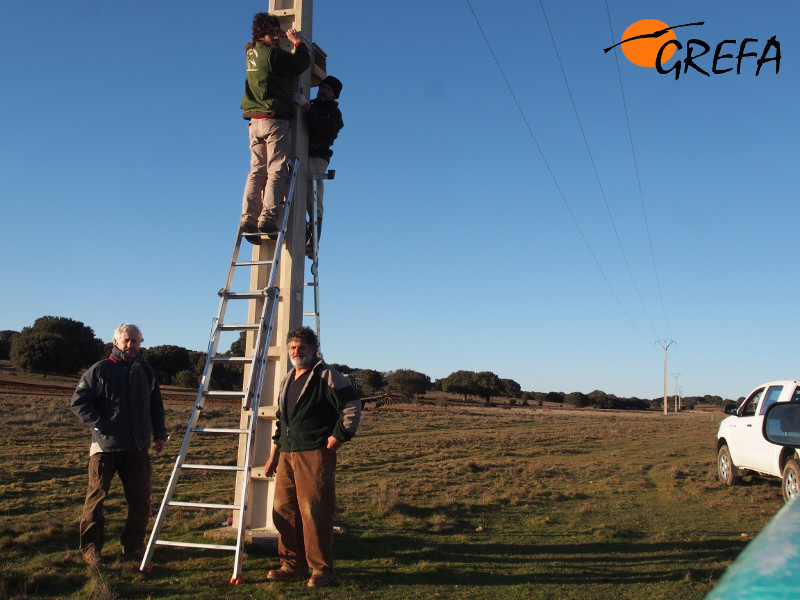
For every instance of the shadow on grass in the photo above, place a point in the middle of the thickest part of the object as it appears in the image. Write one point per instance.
(420, 560)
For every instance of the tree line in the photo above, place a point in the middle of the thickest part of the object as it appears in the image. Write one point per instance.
(63, 346)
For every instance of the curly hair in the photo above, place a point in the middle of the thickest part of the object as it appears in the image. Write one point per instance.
(262, 23)
(305, 335)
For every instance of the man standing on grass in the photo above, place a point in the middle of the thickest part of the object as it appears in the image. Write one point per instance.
(318, 410)
(119, 399)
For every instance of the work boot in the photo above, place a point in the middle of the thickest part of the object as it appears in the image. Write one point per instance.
(91, 556)
(269, 227)
(248, 227)
(322, 579)
(286, 573)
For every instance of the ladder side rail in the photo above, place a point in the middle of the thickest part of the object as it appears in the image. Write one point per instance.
(234, 259)
(256, 367)
(213, 345)
(315, 263)
(265, 333)
(268, 320)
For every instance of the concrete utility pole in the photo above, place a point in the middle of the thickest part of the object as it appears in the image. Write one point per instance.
(296, 14)
(665, 344)
(676, 375)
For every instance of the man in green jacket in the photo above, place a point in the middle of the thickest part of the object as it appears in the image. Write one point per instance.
(268, 107)
(318, 410)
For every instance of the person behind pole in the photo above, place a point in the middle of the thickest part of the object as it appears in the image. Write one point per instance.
(119, 399)
(324, 121)
(268, 107)
(318, 410)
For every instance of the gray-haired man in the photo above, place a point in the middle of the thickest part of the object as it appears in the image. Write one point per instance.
(119, 399)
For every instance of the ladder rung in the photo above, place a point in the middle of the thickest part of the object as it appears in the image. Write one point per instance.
(195, 545)
(219, 430)
(238, 326)
(243, 295)
(261, 234)
(213, 467)
(221, 394)
(205, 505)
(232, 359)
(252, 263)
(309, 314)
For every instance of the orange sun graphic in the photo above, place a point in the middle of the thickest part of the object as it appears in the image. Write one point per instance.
(643, 51)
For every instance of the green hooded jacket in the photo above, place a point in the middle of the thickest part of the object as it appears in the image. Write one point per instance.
(268, 82)
(328, 405)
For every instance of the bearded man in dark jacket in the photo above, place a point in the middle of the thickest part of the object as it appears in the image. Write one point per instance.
(318, 410)
(119, 399)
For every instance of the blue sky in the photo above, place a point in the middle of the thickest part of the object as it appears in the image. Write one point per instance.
(450, 242)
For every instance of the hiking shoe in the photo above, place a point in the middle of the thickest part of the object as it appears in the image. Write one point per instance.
(247, 227)
(92, 557)
(286, 574)
(321, 579)
(269, 227)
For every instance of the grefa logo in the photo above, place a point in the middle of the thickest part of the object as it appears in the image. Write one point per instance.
(652, 43)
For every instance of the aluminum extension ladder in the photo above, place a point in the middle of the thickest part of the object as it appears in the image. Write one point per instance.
(250, 397)
(314, 178)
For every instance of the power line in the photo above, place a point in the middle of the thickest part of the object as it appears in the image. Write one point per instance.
(552, 175)
(636, 171)
(594, 167)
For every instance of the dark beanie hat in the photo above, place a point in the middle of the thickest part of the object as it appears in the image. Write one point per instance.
(335, 84)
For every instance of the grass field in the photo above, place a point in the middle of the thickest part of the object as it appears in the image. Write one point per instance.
(434, 502)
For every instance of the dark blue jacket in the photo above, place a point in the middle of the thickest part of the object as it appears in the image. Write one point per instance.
(121, 402)
(324, 123)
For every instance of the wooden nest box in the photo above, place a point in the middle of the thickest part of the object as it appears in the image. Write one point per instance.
(319, 65)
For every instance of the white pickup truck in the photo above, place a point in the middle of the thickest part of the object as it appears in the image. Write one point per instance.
(741, 447)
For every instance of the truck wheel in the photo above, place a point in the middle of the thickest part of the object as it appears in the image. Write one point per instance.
(791, 479)
(728, 473)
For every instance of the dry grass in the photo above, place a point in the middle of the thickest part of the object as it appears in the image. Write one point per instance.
(433, 502)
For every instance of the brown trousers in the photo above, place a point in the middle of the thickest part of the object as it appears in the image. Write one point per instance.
(305, 501)
(270, 147)
(134, 471)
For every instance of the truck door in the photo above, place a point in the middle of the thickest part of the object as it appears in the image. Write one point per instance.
(741, 428)
(763, 454)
